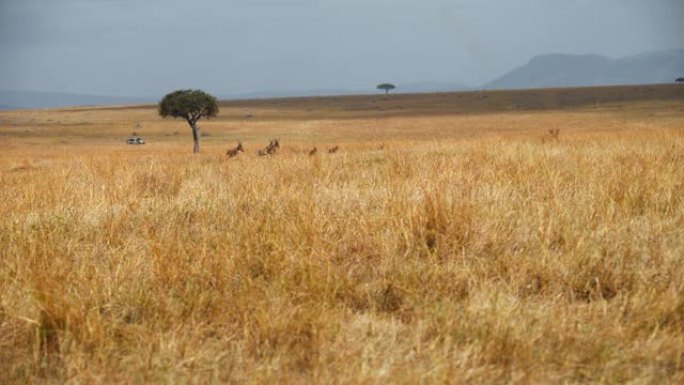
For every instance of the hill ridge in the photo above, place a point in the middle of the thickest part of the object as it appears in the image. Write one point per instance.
(585, 70)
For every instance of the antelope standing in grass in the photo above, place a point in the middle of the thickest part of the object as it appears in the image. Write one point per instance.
(313, 152)
(234, 151)
(554, 132)
(333, 150)
(271, 149)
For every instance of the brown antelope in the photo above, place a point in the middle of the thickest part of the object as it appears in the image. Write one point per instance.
(234, 151)
(271, 149)
(554, 132)
(333, 150)
(313, 152)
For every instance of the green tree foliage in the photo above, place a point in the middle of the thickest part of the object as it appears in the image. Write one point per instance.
(191, 105)
(680, 80)
(387, 87)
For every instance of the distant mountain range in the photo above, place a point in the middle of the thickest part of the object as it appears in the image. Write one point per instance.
(403, 88)
(291, 94)
(432, 87)
(545, 71)
(28, 99)
(558, 70)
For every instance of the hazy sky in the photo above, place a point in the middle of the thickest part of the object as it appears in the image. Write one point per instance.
(150, 47)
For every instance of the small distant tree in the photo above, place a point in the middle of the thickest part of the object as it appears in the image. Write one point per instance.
(387, 87)
(191, 105)
(680, 80)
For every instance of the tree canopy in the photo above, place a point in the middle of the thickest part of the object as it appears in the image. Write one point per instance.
(191, 105)
(387, 87)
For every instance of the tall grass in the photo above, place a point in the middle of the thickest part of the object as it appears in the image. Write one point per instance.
(472, 261)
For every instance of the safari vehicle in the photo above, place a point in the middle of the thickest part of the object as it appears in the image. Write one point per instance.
(135, 140)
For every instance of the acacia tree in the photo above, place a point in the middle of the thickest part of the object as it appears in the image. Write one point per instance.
(679, 80)
(191, 105)
(387, 87)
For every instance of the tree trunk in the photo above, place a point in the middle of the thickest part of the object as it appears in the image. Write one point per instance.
(195, 136)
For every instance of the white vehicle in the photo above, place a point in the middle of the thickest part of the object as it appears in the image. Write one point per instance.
(135, 140)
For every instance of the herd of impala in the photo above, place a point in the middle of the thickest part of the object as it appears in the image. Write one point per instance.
(271, 149)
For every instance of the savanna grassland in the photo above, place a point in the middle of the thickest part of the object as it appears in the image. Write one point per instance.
(454, 238)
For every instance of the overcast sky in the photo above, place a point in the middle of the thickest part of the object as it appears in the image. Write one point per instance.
(150, 47)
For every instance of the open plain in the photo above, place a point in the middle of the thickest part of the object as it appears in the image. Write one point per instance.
(482, 237)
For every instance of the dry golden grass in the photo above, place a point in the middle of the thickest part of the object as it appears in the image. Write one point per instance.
(470, 248)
